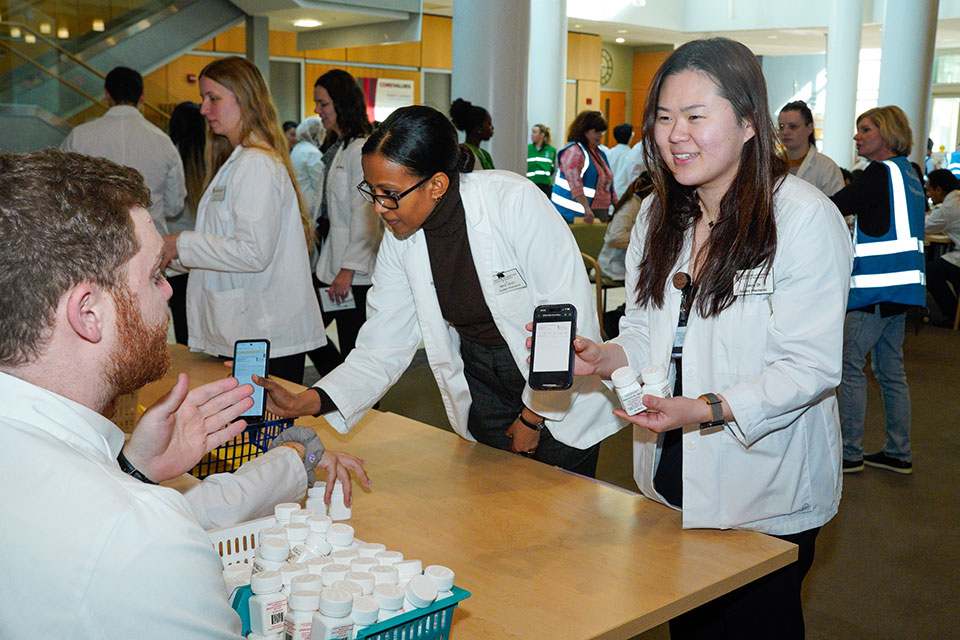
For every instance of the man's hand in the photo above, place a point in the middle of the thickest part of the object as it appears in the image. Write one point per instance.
(340, 287)
(523, 439)
(183, 426)
(338, 465)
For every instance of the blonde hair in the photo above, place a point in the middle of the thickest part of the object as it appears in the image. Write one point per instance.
(259, 129)
(545, 130)
(894, 127)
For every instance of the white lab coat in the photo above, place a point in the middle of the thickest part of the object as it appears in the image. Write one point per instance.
(88, 551)
(249, 270)
(945, 218)
(776, 359)
(355, 229)
(402, 310)
(124, 136)
(820, 171)
(307, 162)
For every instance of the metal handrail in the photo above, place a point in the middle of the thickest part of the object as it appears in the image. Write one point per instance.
(30, 60)
(50, 43)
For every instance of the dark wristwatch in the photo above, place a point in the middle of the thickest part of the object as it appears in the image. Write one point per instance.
(536, 426)
(130, 470)
(716, 408)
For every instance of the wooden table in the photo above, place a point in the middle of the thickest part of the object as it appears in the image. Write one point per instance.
(546, 554)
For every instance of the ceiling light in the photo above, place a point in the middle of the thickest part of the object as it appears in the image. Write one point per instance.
(29, 38)
(622, 31)
(307, 23)
(98, 24)
(45, 28)
(772, 37)
(620, 40)
(577, 26)
(14, 32)
(63, 33)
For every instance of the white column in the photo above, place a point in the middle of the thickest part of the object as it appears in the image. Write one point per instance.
(906, 64)
(490, 44)
(547, 66)
(258, 44)
(843, 59)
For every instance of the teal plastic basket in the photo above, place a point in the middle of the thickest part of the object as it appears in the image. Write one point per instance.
(431, 623)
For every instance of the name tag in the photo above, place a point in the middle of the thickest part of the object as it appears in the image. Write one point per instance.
(507, 281)
(219, 194)
(753, 282)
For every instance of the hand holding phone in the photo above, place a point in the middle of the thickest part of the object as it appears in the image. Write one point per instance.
(552, 357)
(251, 357)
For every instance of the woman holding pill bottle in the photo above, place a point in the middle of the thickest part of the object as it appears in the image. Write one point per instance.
(469, 258)
(740, 274)
(248, 261)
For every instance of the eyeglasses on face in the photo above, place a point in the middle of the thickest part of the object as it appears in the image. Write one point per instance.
(385, 200)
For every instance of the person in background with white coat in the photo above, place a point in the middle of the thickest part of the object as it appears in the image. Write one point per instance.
(462, 272)
(795, 124)
(349, 249)
(727, 259)
(307, 162)
(248, 261)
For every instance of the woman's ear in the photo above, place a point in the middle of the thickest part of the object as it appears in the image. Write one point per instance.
(439, 184)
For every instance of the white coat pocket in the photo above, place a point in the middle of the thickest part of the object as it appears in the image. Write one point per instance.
(741, 337)
(224, 316)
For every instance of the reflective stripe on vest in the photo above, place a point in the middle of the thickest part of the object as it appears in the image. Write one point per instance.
(561, 196)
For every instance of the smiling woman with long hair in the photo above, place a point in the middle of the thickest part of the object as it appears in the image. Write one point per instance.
(739, 274)
(249, 270)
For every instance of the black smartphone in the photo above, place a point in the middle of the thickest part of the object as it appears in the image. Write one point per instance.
(551, 360)
(251, 357)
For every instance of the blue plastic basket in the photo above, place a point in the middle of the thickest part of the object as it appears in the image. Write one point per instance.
(431, 623)
(253, 441)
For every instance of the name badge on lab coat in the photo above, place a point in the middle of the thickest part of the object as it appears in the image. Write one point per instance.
(753, 282)
(507, 281)
(218, 194)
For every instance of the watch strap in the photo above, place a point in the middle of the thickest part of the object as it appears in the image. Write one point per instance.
(127, 467)
(716, 409)
(538, 426)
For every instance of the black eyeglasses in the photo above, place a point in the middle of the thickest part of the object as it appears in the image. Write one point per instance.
(385, 200)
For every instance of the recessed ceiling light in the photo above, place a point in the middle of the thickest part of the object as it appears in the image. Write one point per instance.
(307, 23)
(14, 32)
(98, 24)
(29, 38)
(45, 28)
(63, 33)
(620, 40)
(577, 26)
(622, 31)
(772, 37)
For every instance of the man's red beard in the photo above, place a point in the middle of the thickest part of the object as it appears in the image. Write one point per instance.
(140, 355)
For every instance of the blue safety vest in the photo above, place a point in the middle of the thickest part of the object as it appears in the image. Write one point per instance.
(891, 268)
(561, 198)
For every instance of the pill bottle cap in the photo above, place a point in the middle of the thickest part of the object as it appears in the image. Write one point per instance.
(266, 582)
(320, 524)
(365, 610)
(301, 515)
(284, 510)
(318, 541)
(389, 557)
(317, 490)
(277, 533)
(344, 556)
(306, 582)
(441, 576)
(624, 376)
(335, 603)
(654, 374)
(291, 570)
(385, 574)
(297, 531)
(239, 571)
(340, 535)
(316, 565)
(274, 550)
(304, 600)
(421, 591)
(355, 590)
(333, 572)
(337, 489)
(409, 568)
(370, 549)
(389, 596)
(362, 578)
(363, 564)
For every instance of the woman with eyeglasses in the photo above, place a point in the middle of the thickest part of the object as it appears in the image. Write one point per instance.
(248, 259)
(469, 257)
(737, 274)
(349, 250)
(795, 124)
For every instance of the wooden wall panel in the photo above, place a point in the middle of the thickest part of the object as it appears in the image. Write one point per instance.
(402, 53)
(613, 104)
(588, 95)
(436, 49)
(231, 41)
(583, 56)
(339, 53)
(177, 86)
(313, 71)
(645, 65)
(284, 43)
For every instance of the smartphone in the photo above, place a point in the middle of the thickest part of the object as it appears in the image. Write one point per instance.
(551, 361)
(251, 357)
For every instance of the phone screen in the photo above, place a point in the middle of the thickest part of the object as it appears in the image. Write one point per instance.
(250, 357)
(552, 346)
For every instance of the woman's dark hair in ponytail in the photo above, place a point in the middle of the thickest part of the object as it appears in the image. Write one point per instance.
(420, 139)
